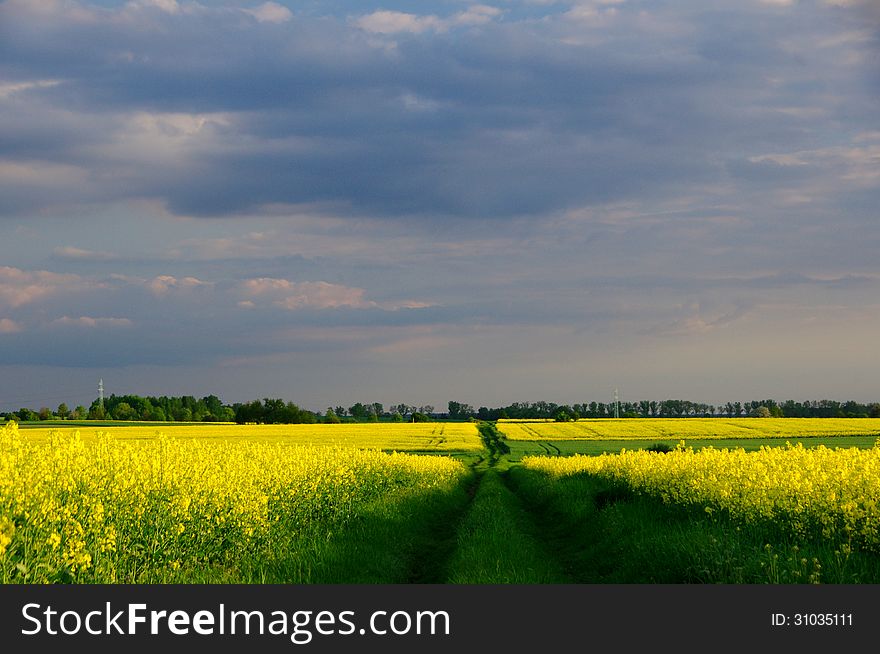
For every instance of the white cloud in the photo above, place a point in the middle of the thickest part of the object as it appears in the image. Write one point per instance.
(79, 254)
(270, 12)
(162, 284)
(475, 15)
(19, 287)
(43, 173)
(163, 138)
(168, 6)
(300, 295)
(11, 88)
(283, 293)
(779, 159)
(393, 22)
(87, 321)
(858, 164)
(8, 326)
(65, 10)
(697, 322)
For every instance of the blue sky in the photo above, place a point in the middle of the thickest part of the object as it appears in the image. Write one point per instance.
(334, 202)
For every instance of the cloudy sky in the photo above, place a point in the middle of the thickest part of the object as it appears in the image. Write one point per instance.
(343, 200)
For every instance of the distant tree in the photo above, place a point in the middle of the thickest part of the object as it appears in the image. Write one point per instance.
(97, 412)
(124, 411)
(213, 405)
(875, 410)
(459, 410)
(562, 416)
(79, 413)
(45, 413)
(63, 412)
(27, 415)
(341, 412)
(251, 412)
(760, 412)
(396, 417)
(420, 417)
(359, 411)
(330, 417)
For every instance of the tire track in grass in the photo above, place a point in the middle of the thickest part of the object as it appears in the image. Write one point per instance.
(497, 541)
(565, 531)
(436, 545)
(493, 539)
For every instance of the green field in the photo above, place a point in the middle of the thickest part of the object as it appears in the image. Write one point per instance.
(211, 503)
(687, 428)
(519, 449)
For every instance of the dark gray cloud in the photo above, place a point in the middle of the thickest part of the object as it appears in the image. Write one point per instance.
(529, 186)
(509, 118)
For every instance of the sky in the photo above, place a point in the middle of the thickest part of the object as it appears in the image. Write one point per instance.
(343, 201)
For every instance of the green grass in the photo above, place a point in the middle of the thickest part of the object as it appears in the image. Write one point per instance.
(497, 543)
(605, 534)
(519, 449)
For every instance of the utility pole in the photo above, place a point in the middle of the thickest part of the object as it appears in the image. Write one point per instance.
(101, 394)
(616, 404)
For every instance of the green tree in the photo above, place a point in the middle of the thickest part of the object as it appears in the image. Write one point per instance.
(359, 411)
(157, 414)
(330, 417)
(27, 415)
(459, 410)
(124, 411)
(63, 412)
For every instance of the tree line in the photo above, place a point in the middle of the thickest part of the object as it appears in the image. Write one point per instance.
(211, 409)
(681, 409)
(277, 411)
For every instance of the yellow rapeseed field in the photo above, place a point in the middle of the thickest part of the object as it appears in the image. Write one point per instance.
(688, 428)
(829, 493)
(400, 436)
(115, 510)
